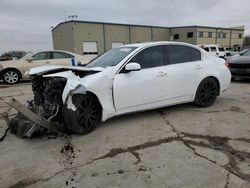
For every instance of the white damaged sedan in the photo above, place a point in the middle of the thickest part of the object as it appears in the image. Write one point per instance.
(128, 79)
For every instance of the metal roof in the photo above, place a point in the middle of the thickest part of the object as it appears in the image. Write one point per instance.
(137, 25)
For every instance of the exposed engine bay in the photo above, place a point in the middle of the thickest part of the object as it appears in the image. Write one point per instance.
(47, 104)
(48, 97)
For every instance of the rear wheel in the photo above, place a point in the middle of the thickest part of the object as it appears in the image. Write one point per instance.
(11, 76)
(87, 114)
(207, 92)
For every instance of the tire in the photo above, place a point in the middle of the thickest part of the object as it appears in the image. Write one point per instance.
(11, 76)
(233, 79)
(207, 92)
(86, 117)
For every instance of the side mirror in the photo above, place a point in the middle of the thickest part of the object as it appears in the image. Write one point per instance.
(132, 67)
(29, 59)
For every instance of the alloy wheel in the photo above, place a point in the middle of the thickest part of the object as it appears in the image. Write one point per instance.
(207, 92)
(89, 112)
(11, 77)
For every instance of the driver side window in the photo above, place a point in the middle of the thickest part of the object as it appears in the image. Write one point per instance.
(150, 57)
(41, 56)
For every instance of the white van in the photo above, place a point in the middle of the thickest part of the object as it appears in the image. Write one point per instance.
(214, 49)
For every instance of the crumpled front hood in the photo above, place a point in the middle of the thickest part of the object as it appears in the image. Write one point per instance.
(47, 68)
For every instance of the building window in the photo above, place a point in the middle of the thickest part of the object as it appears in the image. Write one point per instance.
(190, 35)
(200, 34)
(240, 36)
(210, 34)
(116, 44)
(224, 35)
(90, 48)
(219, 35)
(176, 36)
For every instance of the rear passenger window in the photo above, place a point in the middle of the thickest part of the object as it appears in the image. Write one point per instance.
(221, 49)
(61, 55)
(207, 49)
(195, 54)
(178, 54)
(213, 49)
(150, 57)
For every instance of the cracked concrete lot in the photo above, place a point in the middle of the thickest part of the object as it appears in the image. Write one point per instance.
(179, 146)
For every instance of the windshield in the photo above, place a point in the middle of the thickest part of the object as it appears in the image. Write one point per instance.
(243, 51)
(29, 54)
(111, 58)
(247, 53)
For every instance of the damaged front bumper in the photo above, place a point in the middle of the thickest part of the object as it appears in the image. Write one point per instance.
(26, 123)
(45, 113)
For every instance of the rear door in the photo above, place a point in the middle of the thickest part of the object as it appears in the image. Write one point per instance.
(61, 58)
(137, 90)
(184, 70)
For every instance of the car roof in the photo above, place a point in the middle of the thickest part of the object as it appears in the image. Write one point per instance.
(210, 45)
(54, 51)
(146, 44)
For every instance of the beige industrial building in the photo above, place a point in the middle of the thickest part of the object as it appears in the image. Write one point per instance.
(85, 37)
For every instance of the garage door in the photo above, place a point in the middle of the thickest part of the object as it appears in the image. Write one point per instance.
(90, 48)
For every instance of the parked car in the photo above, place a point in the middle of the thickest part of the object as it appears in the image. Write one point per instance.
(14, 70)
(214, 49)
(240, 65)
(127, 79)
(229, 53)
(242, 52)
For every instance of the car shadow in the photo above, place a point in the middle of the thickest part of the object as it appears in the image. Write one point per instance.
(22, 82)
(241, 81)
(148, 113)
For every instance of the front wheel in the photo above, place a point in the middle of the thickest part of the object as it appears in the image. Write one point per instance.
(87, 114)
(207, 92)
(11, 76)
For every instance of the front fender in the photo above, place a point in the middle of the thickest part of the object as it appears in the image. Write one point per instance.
(92, 84)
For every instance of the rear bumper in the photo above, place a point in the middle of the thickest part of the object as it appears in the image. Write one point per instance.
(240, 73)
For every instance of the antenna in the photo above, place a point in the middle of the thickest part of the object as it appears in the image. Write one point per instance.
(72, 16)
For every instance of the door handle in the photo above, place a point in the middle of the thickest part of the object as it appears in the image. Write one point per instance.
(198, 67)
(47, 62)
(161, 73)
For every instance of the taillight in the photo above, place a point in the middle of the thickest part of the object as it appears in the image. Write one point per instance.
(226, 64)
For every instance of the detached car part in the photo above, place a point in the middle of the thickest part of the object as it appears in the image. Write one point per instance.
(27, 122)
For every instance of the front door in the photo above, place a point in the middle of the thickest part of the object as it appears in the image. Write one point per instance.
(62, 58)
(137, 90)
(39, 59)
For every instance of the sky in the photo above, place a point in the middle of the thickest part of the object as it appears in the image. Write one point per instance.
(26, 24)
